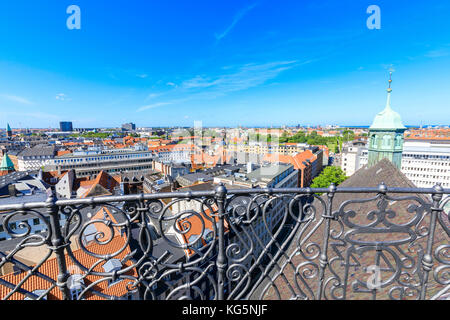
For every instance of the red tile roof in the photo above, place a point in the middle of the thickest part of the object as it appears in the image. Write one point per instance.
(49, 268)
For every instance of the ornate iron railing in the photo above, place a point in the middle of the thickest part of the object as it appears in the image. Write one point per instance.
(330, 243)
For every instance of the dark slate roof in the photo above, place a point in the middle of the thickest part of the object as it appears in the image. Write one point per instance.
(192, 178)
(97, 190)
(8, 245)
(39, 150)
(138, 174)
(221, 169)
(207, 186)
(36, 197)
(16, 176)
(386, 172)
(383, 172)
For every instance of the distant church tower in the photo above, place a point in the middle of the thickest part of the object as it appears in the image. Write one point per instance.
(386, 135)
(8, 131)
(6, 165)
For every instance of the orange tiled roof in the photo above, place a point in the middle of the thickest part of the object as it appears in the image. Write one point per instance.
(105, 214)
(104, 179)
(194, 225)
(62, 152)
(296, 161)
(50, 269)
(47, 175)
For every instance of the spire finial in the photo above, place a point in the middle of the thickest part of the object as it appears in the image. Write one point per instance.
(389, 90)
(390, 81)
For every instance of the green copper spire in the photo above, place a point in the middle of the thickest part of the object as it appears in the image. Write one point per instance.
(388, 118)
(7, 164)
(386, 135)
(8, 128)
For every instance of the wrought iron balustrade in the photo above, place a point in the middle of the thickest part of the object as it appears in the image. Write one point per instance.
(302, 243)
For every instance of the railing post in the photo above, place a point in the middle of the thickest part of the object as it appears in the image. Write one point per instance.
(323, 259)
(221, 262)
(57, 243)
(427, 260)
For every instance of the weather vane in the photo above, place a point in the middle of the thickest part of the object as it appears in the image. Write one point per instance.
(390, 80)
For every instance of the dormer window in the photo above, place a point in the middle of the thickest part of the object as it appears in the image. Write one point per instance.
(112, 265)
(75, 285)
(195, 241)
(38, 293)
(208, 235)
(89, 233)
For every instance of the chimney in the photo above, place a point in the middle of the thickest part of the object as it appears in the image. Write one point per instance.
(12, 190)
(250, 167)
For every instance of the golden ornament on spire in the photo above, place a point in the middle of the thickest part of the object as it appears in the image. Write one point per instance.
(390, 81)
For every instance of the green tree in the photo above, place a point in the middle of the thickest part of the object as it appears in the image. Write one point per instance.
(284, 137)
(299, 137)
(329, 175)
(348, 135)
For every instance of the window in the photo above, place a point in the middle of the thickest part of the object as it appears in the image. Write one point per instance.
(36, 221)
(209, 235)
(374, 141)
(386, 141)
(75, 293)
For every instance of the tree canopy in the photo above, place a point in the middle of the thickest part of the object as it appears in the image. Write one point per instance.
(329, 175)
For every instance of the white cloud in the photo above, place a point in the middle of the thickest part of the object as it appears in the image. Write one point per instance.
(246, 76)
(155, 105)
(438, 53)
(236, 78)
(236, 19)
(61, 96)
(153, 95)
(18, 99)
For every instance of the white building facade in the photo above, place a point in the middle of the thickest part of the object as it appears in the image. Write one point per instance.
(427, 163)
(424, 162)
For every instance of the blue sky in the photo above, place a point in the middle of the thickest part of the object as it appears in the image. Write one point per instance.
(225, 63)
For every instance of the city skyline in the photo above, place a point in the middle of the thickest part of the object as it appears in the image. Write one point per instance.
(248, 63)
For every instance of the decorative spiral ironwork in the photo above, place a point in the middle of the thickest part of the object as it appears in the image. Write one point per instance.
(242, 244)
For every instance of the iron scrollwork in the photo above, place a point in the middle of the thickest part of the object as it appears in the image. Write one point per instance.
(231, 244)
